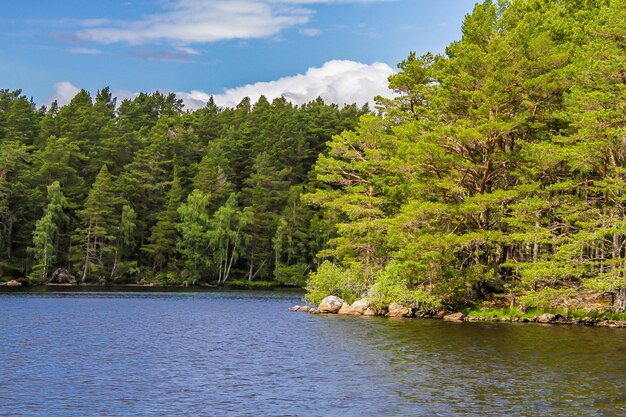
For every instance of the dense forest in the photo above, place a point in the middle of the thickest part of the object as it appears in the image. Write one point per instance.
(498, 168)
(146, 192)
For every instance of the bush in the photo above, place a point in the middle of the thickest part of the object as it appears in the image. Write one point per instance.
(391, 286)
(332, 279)
(547, 298)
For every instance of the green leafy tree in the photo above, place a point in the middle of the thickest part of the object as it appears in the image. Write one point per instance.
(227, 236)
(47, 230)
(194, 242)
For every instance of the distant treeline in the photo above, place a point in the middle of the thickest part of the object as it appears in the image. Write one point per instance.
(143, 191)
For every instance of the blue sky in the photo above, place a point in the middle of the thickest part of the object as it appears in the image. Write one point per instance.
(340, 49)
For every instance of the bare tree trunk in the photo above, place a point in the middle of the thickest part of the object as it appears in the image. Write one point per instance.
(83, 279)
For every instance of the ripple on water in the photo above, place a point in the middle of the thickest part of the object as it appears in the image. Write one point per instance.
(245, 353)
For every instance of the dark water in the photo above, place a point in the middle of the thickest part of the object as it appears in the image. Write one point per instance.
(245, 353)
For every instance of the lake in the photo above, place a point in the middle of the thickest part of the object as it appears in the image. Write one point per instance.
(244, 353)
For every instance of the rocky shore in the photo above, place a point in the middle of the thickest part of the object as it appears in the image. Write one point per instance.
(363, 307)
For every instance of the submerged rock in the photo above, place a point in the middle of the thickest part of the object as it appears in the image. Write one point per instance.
(331, 304)
(454, 316)
(397, 310)
(295, 308)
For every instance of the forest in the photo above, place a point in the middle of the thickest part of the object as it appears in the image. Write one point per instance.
(145, 192)
(497, 170)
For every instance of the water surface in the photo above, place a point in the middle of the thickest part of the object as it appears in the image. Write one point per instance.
(244, 353)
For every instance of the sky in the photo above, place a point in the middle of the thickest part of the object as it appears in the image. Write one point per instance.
(341, 50)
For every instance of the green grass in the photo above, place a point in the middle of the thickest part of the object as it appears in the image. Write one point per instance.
(510, 314)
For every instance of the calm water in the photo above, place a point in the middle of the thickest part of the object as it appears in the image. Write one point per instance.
(245, 353)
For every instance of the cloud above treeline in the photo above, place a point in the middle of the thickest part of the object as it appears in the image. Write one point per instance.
(338, 81)
(203, 21)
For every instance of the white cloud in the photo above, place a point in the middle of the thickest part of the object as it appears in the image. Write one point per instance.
(189, 51)
(64, 92)
(310, 32)
(202, 21)
(85, 51)
(339, 82)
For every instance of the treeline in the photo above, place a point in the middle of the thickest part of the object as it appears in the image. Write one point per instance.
(144, 191)
(500, 168)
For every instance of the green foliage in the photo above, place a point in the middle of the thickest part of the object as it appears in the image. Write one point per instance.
(501, 160)
(332, 279)
(194, 241)
(46, 234)
(393, 286)
(120, 224)
(292, 275)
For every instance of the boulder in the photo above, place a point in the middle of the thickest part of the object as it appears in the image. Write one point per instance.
(440, 314)
(330, 304)
(372, 311)
(397, 310)
(14, 283)
(359, 307)
(345, 309)
(305, 309)
(546, 318)
(454, 316)
(62, 276)
(295, 308)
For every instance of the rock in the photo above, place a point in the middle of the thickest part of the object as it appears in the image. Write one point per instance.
(295, 308)
(359, 307)
(330, 304)
(546, 318)
(371, 311)
(440, 314)
(345, 309)
(313, 311)
(62, 276)
(454, 316)
(14, 283)
(397, 310)
(306, 309)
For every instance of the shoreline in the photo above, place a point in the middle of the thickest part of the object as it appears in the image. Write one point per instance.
(363, 307)
(558, 320)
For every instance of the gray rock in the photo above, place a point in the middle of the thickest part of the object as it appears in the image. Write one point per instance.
(361, 305)
(331, 304)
